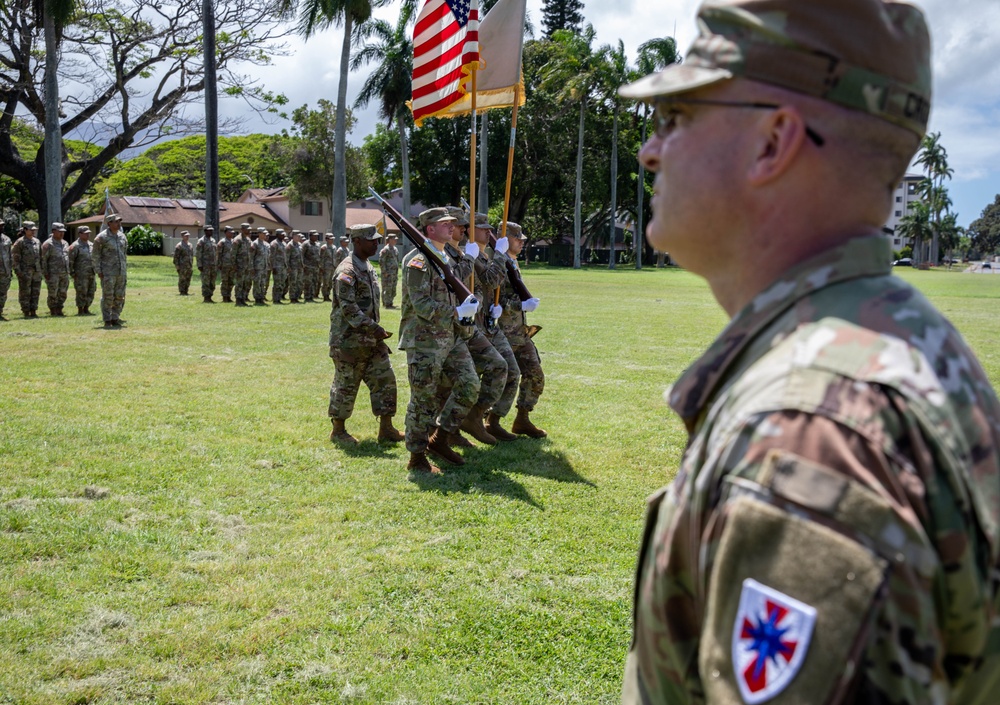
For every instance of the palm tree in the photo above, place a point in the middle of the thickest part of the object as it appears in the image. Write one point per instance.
(615, 69)
(654, 55)
(934, 158)
(915, 226)
(390, 83)
(317, 15)
(575, 74)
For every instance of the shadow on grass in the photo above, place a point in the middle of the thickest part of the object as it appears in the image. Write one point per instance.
(488, 470)
(367, 448)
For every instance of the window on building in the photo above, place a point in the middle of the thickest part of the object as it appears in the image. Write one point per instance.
(899, 213)
(899, 199)
(911, 188)
(312, 208)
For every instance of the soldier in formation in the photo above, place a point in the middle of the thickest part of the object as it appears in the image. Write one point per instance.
(295, 271)
(207, 256)
(110, 256)
(327, 265)
(244, 269)
(260, 256)
(388, 264)
(343, 251)
(55, 269)
(81, 269)
(184, 262)
(357, 342)
(226, 261)
(6, 268)
(279, 267)
(26, 255)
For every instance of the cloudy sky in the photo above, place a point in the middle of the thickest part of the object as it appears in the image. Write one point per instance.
(966, 77)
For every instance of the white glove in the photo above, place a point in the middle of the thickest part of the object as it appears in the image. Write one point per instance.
(472, 249)
(468, 308)
(502, 245)
(496, 312)
(529, 305)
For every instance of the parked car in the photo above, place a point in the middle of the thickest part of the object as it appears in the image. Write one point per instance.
(905, 262)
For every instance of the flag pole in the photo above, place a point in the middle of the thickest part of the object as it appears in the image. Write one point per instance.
(510, 175)
(472, 177)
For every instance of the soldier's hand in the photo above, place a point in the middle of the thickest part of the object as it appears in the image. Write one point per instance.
(382, 333)
(503, 244)
(530, 305)
(472, 249)
(496, 311)
(468, 308)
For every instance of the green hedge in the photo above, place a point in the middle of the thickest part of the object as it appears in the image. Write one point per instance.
(143, 240)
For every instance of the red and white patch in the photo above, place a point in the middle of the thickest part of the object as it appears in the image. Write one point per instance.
(770, 639)
(345, 277)
(416, 263)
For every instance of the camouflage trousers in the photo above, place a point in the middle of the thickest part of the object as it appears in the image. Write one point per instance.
(490, 366)
(532, 377)
(244, 278)
(502, 406)
(310, 282)
(326, 283)
(425, 368)
(57, 287)
(29, 288)
(260, 281)
(357, 365)
(388, 288)
(112, 296)
(227, 277)
(280, 286)
(184, 280)
(4, 288)
(295, 277)
(207, 282)
(85, 287)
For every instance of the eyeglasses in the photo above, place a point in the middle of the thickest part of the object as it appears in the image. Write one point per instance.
(665, 114)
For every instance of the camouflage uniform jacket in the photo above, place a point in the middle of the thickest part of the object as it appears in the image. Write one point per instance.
(81, 259)
(512, 320)
(183, 256)
(340, 254)
(241, 253)
(205, 251)
(6, 267)
(428, 311)
(388, 259)
(327, 259)
(109, 253)
(225, 253)
(293, 250)
(355, 312)
(310, 255)
(260, 255)
(279, 260)
(491, 272)
(843, 452)
(26, 256)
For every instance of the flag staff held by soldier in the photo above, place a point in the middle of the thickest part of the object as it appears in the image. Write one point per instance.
(833, 532)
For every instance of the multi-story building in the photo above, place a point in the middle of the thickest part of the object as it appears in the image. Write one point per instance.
(902, 203)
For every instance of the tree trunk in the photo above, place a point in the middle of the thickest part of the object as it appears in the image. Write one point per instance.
(639, 238)
(578, 205)
(404, 162)
(338, 206)
(482, 200)
(211, 119)
(51, 209)
(614, 187)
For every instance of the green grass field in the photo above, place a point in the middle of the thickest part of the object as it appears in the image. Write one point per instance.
(175, 526)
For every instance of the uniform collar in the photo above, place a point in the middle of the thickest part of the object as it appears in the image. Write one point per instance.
(854, 259)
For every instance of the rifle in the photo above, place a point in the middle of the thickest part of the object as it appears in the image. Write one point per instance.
(454, 284)
(513, 274)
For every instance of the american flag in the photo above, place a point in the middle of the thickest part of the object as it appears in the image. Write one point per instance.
(445, 51)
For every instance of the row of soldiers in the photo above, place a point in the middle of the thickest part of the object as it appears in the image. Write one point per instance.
(467, 360)
(245, 263)
(56, 262)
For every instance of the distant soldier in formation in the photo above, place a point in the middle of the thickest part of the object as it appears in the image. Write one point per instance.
(6, 269)
(260, 256)
(110, 255)
(226, 260)
(327, 265)
(343, 251)
(184, 263)
(25, 257)
(388, 264)
(204, 250)
(516, 331)
(244, 268)
(295, 271)
(279, 267)
(55, 269)
(81, 268)
(357, 342)
(310, 266)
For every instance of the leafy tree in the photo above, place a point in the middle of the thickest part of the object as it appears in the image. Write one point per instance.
(143, 240)
(440, 163)
(312, 163)
(561, 14)
(134, 65)
(984, 231)
(916, 226)
(381, 154)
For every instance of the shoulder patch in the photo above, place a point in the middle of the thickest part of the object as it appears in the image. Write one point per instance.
(345, 277)
(770, 640)
(417, 263)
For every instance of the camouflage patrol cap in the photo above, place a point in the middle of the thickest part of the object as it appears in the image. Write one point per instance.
(229, 229)
(459, 214)
(29, 225)
(59, 226)
(244, 226)
(483, 221)
(515, 231)
(185, 233)
(435, 215)
(209, 228)
(329, 236)
(364, 232)
(114, 218)
(869, 55)
(83, 229)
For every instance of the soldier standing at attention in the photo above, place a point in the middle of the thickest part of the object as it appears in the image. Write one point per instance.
(388, 265)
(833, 532)
(310, 266)
(428, 322)
(357, 342)
(6, 269)
(110, 255)
(327, 265)
(260, 256)
(226, 261)
(55, 269)
(279, 267)
(243, 273)
(343, 251)
(295, 272)
(206, 253)
(515, 330)
(25, 258)
(81, 268)
(184, 263)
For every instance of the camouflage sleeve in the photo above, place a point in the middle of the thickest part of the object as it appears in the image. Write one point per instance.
(71, 258)
(493, 274)
(46, 248)
(419, 278)
(463, 266)
(15, 256)
(95, 255)
(344, 280)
